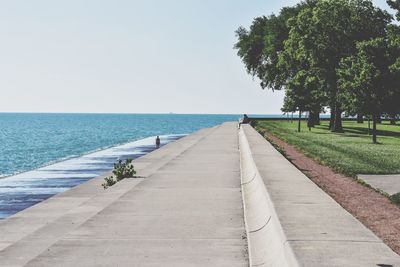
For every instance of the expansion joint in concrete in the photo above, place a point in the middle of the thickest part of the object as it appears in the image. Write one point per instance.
(254, 231)
(252, 179)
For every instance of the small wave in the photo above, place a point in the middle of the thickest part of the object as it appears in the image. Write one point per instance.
(167, 136)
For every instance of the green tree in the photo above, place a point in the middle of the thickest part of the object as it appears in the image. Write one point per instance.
(365, 79)
(260, 46)
(321, 36)
(395, 4)
(304, 86)
(303, 94)
(392, 107)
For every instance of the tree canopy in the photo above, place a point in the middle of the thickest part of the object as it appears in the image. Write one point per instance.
(337, 54)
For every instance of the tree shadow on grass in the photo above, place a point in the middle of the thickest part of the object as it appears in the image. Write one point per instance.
(354, 135)
(361, 131)
(364, 131)
(322, 133)
(358, 156)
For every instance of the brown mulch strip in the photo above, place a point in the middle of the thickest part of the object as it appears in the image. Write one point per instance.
(371, 208)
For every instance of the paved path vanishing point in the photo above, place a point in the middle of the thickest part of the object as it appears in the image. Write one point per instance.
(187, 210)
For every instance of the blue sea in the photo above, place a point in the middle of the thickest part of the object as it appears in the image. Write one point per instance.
(45, 154)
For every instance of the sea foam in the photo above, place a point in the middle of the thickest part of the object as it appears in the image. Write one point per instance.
(20, 191)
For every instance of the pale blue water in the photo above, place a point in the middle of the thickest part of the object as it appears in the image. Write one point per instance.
(54, 152)
(28, 141)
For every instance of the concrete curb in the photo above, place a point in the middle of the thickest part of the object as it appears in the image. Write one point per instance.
(266, 239)
(310, 224)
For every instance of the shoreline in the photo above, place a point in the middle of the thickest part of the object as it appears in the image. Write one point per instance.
(85, 154)
(30, 141)
(25, 189)
(233, 198)
(202, 212)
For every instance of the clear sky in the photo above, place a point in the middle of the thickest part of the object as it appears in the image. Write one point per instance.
(130, 56)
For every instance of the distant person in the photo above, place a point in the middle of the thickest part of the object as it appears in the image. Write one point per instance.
(158, 142)
(245, 120)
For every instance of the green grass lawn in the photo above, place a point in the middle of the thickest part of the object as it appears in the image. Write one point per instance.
(350, 153)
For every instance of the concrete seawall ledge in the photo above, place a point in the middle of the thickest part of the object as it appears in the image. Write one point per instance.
(301, 224)
(29, 222)
(195, 202)
(186, 211)
(266, 239)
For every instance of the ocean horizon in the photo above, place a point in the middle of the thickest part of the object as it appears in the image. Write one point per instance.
(32, 140)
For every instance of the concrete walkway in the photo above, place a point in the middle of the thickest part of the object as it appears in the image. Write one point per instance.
(389, 183)
(316, 229)
(186, 212)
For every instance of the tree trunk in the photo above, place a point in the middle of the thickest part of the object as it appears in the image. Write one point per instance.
(378, 118)
(331, 120)
(337, 124)
(374, 121)
(317, 120)
(311, 120)
(393, 119)
(369, 125)
(333, 103)
(299, 124)
(360, 118)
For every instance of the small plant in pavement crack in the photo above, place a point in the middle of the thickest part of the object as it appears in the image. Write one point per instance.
(121, 171)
